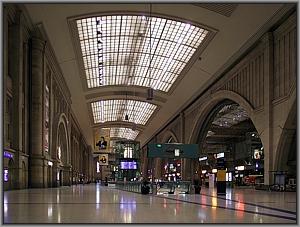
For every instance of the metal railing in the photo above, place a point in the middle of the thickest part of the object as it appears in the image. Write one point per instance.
(163, 187)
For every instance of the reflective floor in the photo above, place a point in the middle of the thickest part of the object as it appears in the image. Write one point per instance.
(98, 204)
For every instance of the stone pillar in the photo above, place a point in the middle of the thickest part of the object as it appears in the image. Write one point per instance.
(267, 134)
(185, 162)
(157, 168)
(16, 58)
(36, 152)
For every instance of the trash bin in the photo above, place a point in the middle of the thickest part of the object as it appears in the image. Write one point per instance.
(145, 188)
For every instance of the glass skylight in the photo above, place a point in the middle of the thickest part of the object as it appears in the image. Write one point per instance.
(116, 50)
(126, 133)
(115, 110)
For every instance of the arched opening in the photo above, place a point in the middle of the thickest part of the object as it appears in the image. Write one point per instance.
(286, 155)
(62, 144)
(62, 173)
(229, 140)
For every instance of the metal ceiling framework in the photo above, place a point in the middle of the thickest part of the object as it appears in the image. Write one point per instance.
(134, 50)
(116, 50)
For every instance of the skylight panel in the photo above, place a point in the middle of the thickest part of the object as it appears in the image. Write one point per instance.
(126, 133)
(115, 110)
(118, 46)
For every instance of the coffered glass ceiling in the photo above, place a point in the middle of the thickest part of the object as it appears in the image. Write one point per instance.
(116, 50)
(230, 115)
(115, 110)
(126, 133)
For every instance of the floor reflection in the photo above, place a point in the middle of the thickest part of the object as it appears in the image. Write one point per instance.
(128, 208)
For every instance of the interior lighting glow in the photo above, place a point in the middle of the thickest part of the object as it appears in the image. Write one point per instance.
(116, 49)
(240, 167)
(98, 167)
(214, 170)
(116, 109)
(202, 159)
(204, 171)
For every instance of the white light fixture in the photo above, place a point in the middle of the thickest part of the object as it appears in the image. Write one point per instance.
(202, 159)
(50, 163)
(203, 171)
(240, 167)
(112, 45)
(220, 155)
(214, 170)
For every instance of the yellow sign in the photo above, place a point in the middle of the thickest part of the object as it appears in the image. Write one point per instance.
(221, 175)
(103, 159)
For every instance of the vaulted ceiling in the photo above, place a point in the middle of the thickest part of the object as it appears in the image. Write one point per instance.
(111, 54)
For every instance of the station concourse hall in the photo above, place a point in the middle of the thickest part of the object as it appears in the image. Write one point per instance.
(149, 113)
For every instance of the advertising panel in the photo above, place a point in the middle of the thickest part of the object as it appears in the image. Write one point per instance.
(101, 139)
(103, 159)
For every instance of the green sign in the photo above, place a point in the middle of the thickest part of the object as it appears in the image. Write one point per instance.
(173, 150)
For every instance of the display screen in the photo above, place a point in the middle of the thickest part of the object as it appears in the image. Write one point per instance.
(128, 164)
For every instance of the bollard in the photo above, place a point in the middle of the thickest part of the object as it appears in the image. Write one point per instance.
(154, 189)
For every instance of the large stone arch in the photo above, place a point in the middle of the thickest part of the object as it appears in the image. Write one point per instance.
(215, 99)
(288, 140)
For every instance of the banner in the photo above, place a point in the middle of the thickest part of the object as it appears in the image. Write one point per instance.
(101, 139)
(103, 159)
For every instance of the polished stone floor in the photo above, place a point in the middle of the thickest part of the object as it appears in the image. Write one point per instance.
(93, 203)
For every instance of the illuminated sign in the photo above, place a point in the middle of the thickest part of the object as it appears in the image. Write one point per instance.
(177, 152)
(229, 176)
(202, 159)
(5, 175)
(220, 155)
(240, 167)
(7, 155)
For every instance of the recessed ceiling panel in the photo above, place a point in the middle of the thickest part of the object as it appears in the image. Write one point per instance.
(116, 109)
(136, 50)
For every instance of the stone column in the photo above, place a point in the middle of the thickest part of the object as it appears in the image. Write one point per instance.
(185, 162)
(267, 135)
(37, 85)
